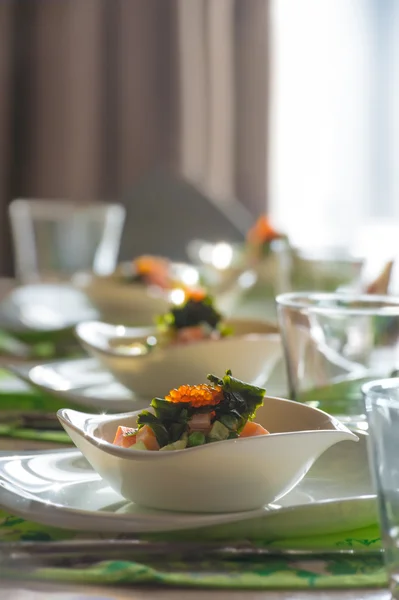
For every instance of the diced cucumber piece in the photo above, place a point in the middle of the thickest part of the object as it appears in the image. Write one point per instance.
(197, 438)
(218, 432)
(139, 446)
(179, 445)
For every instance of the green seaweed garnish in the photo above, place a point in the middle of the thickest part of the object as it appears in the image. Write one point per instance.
(241, 400)
(190, 314)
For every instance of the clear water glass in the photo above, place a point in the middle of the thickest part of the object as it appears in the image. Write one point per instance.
(382, 408)
(336, 342)
(54, 239)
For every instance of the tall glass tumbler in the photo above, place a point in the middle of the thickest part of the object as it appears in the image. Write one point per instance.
(334, 343)
(382, 407)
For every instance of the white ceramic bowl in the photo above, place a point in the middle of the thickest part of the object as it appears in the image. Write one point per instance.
(228, 476)
(131, 303)
(251, 357)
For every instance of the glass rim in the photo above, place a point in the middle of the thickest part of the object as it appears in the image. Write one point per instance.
(309, 302)
(379, 386)
(375, 393)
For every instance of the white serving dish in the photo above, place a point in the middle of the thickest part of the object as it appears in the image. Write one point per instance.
(230, 476)
(250, 357)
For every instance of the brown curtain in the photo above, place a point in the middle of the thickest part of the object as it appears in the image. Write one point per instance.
(96, 93)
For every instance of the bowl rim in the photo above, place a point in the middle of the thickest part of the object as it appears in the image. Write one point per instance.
(300, 301)
(131, 454)
(328, 254)
(107, 350)
(114, 276)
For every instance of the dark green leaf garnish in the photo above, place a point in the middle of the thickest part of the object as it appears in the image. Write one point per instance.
(167, 411)
(176, 430)
(231, 421)
(240, 399)
(191, 313)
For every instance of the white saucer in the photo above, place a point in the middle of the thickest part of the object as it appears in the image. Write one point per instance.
(86, 383)
(59, 488)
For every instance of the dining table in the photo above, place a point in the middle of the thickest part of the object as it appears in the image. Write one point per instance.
(27, 590)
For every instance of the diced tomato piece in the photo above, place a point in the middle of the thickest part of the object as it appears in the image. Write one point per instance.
(147, 436)
(252, 429)
(124, 437)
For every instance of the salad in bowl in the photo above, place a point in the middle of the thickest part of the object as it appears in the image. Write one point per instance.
(187, 341)
(195, 319)
(193, 415)
(138, 290)
(206, 447)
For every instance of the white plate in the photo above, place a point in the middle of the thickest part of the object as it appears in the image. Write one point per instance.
(60, 489)
(44, 308)
(82, 381)
(85, 382)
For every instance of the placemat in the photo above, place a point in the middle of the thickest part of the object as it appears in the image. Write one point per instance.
(249, 573)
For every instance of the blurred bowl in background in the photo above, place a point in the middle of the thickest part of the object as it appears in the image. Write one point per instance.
(243, 286)
(132, 356)
(324, 269)
(121, 300)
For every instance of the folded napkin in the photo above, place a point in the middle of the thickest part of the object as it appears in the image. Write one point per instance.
(244, 573)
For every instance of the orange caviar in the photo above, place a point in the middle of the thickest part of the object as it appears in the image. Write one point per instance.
(148, 264)
(262, 231)
(197, 395)
(195, 294)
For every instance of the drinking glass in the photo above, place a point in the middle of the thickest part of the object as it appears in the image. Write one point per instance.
(382, 408)
(336, 342)
(54, 239)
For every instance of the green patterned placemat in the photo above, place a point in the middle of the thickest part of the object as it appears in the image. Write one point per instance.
(249, 573)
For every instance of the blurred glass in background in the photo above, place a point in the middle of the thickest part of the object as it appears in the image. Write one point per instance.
(54, 240)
